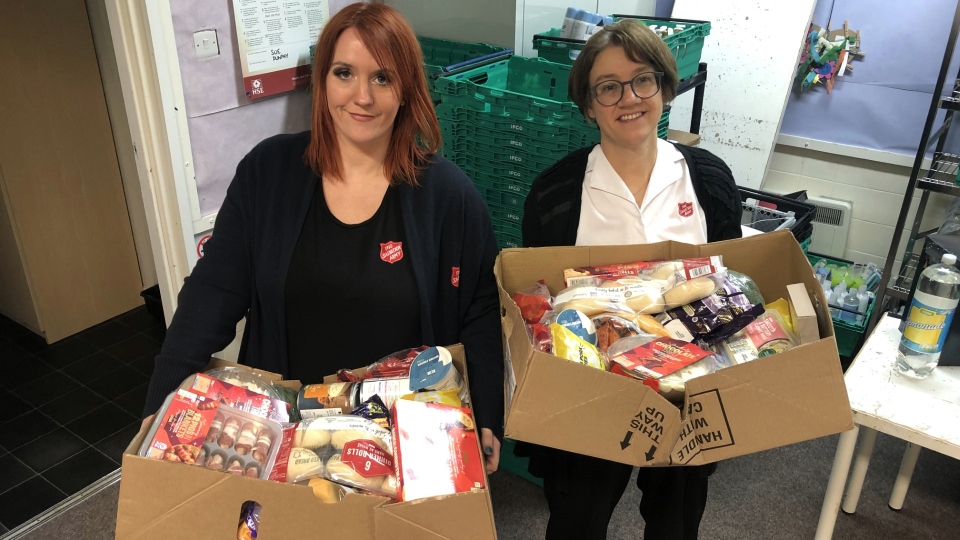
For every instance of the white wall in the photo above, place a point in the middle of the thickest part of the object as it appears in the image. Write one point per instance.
(875, 188)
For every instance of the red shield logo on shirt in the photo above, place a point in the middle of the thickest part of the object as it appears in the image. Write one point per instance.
(686, 209)
(455, 276)
(391, 252)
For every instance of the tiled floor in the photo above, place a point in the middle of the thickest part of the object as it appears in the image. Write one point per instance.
(68, 410)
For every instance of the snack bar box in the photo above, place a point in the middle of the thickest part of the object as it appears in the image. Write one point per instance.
(161, 500)
(774, 401)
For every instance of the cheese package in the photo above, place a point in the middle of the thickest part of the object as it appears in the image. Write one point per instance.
(241, 397)
(664, 364)
(437, 452)
(767, 335)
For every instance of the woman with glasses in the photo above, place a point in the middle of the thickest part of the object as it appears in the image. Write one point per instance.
(632, 188)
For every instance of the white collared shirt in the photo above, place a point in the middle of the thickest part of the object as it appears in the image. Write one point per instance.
(609, 214)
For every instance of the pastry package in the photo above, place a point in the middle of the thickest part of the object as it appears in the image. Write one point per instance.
(570, 346)
(179, 429)
(535, 303)
(663, 364)
(712, 319)
(349, 450)
(241, 397)
(767, 335)
(437, 452)
(244, 378)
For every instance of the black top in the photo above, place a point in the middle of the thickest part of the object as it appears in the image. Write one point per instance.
(243, 273)
(347, 283)
(551, 213)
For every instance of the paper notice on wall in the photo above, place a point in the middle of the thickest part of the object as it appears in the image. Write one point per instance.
(275, 39)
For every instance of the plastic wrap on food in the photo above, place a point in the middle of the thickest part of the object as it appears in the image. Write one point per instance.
(374, 409)
(763, 337)
(244, 378)
(610, 329)
(664, 364)
(746, 285)
(578, 323)
(249, 521)
(629, 295)
(443, 397)
(568, 345)
(241, 397)
(328, 492)
(539, 335)
(712, 319)
(535, 303)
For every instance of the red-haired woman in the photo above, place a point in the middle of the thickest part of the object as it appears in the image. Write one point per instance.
(351, 241)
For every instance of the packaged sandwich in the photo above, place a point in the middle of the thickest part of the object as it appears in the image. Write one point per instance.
(712, 319)
(436, 450)
(663, 364)
(765, 336)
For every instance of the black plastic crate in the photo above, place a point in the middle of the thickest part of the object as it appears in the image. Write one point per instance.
(773, 211)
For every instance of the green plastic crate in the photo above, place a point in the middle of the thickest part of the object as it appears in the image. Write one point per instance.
(508, 227)
(458, 115)
(441, 56)
(849, 335)
(506, 172)
(462, 132)
(528, 159)
(686, 45)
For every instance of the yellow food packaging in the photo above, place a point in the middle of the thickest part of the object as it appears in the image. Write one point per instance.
(568, 345)
(444, 397)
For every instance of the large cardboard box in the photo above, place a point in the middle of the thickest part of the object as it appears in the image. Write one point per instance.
(781, 399)
(161, 500)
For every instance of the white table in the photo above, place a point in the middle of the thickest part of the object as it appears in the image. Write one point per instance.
(924, 413)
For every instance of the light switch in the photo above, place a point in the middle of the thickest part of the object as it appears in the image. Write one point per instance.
(206, 43)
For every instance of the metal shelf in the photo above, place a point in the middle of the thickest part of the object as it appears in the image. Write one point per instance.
(942, 176)
(951, 102)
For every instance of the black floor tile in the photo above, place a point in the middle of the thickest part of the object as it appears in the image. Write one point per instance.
(117, 382)
(11, 406)
(107, 334)
(27, 501)
(133, 401)
(114, 445)
(46, 388)
(11, 352)
(14, 472)
(158, 333)
(73, 405)
(3, 451)
(3, 530)
(31, 342)
(49, 450)
(80, 471)
(92, 367)
(144, 364)
(63, 353)
(23, 371)
(133, 348)
(25, 428)
(10, 330)
(139, 319)
(101, 423)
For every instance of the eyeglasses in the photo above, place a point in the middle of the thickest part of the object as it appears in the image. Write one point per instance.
(645, 85)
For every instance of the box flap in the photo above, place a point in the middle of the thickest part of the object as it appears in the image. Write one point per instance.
(465, 516)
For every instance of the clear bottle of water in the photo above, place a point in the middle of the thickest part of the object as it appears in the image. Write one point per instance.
(928, 319)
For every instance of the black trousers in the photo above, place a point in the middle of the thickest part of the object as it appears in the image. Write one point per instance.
(583, 491)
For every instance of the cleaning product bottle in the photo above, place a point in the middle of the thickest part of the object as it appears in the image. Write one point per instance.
(850, 304)
(566, 30)
(928, 318)
(863, 301)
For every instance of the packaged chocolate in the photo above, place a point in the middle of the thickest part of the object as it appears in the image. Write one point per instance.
(712, 319)
(249, 521)
(436, 450)
(767, 335)
(664, 364)
(374, 409)
(241, 397)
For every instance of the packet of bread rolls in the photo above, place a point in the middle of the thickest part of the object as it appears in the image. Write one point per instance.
(673, 272)
(631, 294)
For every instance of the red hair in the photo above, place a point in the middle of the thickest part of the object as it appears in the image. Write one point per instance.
(391, 41)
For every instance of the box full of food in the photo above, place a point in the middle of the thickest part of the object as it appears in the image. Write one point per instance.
(656, 308)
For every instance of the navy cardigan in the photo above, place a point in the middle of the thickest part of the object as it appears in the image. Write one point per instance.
(243, 272)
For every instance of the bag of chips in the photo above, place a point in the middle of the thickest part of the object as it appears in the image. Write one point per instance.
(535, 303)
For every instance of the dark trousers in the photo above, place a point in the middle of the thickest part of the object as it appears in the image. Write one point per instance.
(583, 491)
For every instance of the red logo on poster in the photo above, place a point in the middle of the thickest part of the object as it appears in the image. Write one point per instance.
(686, 209)
(200, 245)
(455, 276)
(391, 252)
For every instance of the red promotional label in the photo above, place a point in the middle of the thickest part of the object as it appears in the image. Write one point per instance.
(455, 276)
(660, 357)
(686, 209)
(391, 252)
(367, 458)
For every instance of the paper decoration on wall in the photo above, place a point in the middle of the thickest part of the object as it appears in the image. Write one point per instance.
(827, 55)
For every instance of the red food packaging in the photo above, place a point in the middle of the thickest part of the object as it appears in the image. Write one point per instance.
(279, 471)
(436, 450)
(181, 428)
(241, 398)
(394, 365)
(534, 303)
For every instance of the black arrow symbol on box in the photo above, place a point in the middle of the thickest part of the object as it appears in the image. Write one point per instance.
(650, 453)
(626, 440)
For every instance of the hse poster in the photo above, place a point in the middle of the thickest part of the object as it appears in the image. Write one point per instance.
(275, 38)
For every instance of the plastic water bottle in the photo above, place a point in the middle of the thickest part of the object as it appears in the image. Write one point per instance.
(928, 319)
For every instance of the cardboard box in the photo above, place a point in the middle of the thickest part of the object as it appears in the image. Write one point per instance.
(161, 500)
(803, 314)
(781, 399)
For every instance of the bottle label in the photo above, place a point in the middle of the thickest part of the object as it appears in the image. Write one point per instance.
(929, 316)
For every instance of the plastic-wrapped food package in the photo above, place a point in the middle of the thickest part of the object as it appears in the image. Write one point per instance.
(610, 329)
(373, 409)
(765, 336)
(628, 295)
(746, 285)
(535, 303)
(244, 378)
(664, 364)
(568, 345)
(712, 319)
(242, 397)
(249, 521)
(539, 335)
(391, 366)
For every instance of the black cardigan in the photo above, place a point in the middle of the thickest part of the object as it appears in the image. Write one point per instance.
(244, 268)
(551, 213)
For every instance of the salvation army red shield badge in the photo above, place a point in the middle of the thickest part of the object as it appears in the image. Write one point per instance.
(686, 209)
(455, 276)
(391, 252)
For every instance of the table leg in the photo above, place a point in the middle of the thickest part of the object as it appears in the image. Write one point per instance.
(838, 477)
(868, 437)
(904, 475)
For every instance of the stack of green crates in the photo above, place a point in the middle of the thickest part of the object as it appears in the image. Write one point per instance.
(849, 335)
(505, 122)
(686, 45)
(441, 55)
